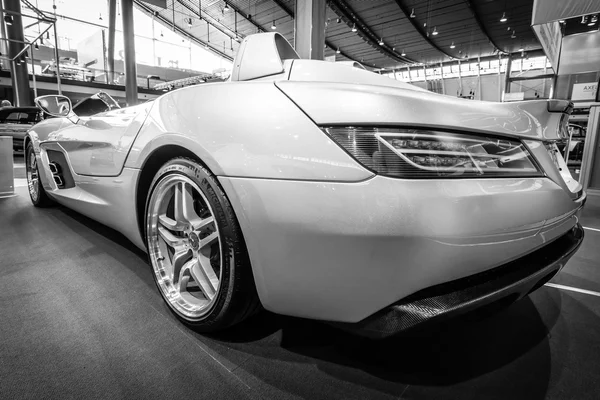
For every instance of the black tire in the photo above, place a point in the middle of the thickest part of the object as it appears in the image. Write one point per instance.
(236, 298)
(39, 198)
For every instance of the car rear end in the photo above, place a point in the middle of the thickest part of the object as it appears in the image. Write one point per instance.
(462, 203)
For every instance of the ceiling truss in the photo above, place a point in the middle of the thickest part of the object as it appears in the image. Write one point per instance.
(343, 10)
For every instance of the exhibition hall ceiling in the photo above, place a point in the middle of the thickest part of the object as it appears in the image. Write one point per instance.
(378, 33)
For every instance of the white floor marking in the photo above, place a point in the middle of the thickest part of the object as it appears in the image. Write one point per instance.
(573, 289)
(591, 229)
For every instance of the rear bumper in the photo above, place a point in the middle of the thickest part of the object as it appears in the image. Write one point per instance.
(341, 251)
(506, 283)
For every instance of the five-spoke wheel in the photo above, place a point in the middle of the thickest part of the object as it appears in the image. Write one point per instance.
(38, 195)
(184, 245)
(196, 248)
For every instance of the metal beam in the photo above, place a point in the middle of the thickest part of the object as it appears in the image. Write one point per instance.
(310, 29)
(332, 46)
(19, 74)
(231, 32)
(341, 8)
(419, 29)
(482, 27)
(148, 11)
(131, 90)
(528, 78)
(112, 18)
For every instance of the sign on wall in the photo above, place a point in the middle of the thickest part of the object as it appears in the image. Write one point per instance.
(584, 91)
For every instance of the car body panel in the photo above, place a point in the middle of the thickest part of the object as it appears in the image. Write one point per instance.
(267, 137)
(342, 251)
(110, 200)
(97, 145)
(329, 103)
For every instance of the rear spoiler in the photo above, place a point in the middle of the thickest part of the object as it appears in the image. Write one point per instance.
(560, 106)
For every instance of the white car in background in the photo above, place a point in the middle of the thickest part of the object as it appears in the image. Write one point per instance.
(320, 191)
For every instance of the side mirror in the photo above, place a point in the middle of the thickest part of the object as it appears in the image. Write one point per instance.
(55, 105)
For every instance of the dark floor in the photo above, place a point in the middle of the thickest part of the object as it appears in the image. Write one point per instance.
(80, 317)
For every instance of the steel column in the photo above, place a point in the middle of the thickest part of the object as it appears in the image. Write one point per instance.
(131, 90)
(310, 29)
(57, 57)
(112, 22)
(19, 74)
(499, 77)
(507, 75)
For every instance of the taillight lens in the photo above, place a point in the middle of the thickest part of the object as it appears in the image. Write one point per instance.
(409, 153)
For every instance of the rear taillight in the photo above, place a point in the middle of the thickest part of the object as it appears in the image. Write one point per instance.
(410, 153)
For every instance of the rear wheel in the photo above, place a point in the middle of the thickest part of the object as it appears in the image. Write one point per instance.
(37, 193)
(196, 249)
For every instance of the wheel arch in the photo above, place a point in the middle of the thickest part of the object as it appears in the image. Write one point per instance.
(148, 170)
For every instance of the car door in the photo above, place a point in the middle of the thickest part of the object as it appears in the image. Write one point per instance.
(98, 145)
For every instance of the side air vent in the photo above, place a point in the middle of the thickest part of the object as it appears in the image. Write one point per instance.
(61, 174)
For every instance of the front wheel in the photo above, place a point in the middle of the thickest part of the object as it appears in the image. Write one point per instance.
(196, 248)
(37, 193)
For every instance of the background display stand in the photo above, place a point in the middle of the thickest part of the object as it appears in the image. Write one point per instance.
(590, 166)
(7, 182)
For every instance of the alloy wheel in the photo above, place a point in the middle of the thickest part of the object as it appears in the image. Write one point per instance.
(184, 246)
(33, 181)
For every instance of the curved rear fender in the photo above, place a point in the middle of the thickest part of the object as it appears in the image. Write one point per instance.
(244, 129)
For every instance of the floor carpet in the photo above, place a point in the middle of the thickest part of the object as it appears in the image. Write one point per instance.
(80, 317)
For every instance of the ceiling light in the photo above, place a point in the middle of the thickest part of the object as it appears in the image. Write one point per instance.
(584, 19)
(354, 28)
(36, 46)
(18, 61)
(412, 13)
(593, 20)
(338, 51)
(452, 45)
(403, 53)
(189, 21)
(508, 28)
(273, 26)
(100, 17)
(562, 21)
(521, 49)
(339, 20)
(503, 19)
(8, 19)
(513, 36)
(435, 32)
(161, 34)
(226, 8)
(381, 42)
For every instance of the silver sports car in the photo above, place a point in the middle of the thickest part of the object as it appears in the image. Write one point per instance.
(320, 190)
